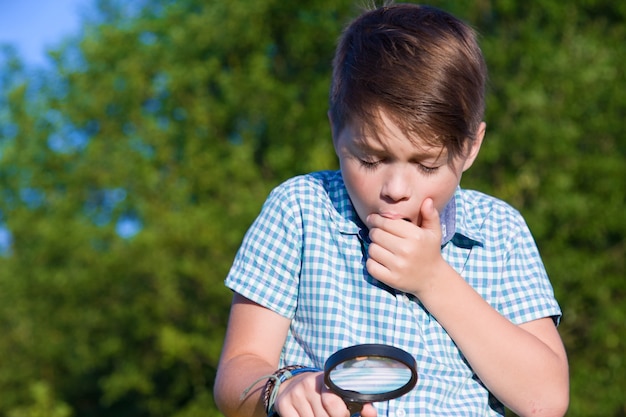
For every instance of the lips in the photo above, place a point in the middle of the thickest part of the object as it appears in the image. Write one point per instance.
(395, 216)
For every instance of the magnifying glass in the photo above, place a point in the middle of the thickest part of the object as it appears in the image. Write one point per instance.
(368, 373)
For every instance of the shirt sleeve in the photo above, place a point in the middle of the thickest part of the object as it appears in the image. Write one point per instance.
(267, 266)
(526, 292)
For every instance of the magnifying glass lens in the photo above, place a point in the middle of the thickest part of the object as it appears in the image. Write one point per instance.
(370, 375)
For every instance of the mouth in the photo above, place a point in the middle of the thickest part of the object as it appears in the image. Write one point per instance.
(395, 216)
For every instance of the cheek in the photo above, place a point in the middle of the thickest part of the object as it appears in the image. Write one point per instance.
(354, 182)
(360, 186)
(442, 192)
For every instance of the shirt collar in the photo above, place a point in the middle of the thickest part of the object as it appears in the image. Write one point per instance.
(448, 221)
(466, 234)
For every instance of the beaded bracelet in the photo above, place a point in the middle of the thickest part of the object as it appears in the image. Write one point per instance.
(270, 390)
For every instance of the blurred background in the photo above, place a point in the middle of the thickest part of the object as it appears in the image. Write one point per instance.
(136, 153)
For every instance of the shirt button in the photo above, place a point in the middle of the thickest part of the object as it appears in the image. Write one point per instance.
(400, 412)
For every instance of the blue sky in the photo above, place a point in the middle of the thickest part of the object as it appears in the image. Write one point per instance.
(34, 25)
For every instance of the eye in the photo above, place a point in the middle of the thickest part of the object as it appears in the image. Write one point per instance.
(427, 170)
(370, 164)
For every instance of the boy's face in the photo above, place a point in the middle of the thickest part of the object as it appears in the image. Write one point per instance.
(391, 175)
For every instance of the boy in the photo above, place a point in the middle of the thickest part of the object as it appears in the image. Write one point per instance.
(391, 250)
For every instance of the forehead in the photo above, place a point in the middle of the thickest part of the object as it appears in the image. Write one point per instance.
(383, 133)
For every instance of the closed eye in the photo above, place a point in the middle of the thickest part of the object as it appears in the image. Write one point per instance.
(427, 170)
(370, 164)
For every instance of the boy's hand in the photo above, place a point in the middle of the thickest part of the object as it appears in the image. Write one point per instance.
(403, 255)
(305, 395)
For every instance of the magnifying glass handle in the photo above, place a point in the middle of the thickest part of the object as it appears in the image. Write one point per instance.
(354, 408)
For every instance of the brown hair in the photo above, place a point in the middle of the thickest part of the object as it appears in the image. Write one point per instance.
(419, 65)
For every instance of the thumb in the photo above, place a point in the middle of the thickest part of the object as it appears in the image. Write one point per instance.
(430, 216)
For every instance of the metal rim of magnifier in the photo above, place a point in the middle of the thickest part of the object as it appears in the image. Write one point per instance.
(370, 350)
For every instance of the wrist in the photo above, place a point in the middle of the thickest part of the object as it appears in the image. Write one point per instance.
(270, 390)
(439, 275)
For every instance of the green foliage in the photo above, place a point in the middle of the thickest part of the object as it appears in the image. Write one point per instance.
(556, 150)
(178, 121)
(44, 404)
(130, 173)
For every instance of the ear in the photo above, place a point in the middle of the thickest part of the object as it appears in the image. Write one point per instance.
(475, 146)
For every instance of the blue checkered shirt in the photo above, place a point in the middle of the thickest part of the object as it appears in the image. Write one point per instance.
(304, 258)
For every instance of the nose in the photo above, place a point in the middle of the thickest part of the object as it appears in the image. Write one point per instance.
(397, 184)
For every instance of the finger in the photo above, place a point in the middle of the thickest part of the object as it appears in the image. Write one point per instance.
(300, 397)
(430, 216)
(380, 251)
(368, 411)
(333, 405)
(378, 270)
(396, 227)
(385, 243)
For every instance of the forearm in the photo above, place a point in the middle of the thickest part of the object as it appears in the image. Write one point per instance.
(521, 370)
(251, 351)
(236, 393)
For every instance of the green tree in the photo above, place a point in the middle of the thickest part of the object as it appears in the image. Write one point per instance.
(133, 173)
(556, 150)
